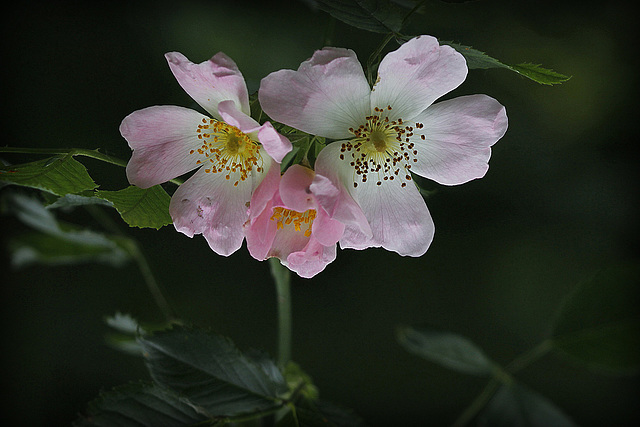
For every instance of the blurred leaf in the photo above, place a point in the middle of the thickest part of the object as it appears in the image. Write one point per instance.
(124, 323)
(480, 60)
(144, 208)
(599, 324)
(211, 372)
(513, 405)
(40, 248)
(73, 200)
(125, 343)
(139, 405)
(299, 380)
(446, 349)
(318, 413)
(57, 242)
(379, 16)
(127, 330)
(58, 175)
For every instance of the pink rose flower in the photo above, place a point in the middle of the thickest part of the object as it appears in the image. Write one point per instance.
(385, 133)
(289, 221)
(231, 151)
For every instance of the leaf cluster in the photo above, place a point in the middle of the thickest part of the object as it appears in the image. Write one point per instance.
(67, 178)
(597, 327)
(389, 17)
(201, 378)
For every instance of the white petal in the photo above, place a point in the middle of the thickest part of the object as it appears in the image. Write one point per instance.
(416, 74)
(458, 136)
(210, 82)
(211, 205)
(398, 216)
(326, 96)
(161, 138)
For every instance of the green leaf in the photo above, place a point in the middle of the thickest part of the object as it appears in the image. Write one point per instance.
(513, 405)
(541, 75)
(140, 405)
(144, 208)
(480, 60)
(56, 242)
(379, 16)
(475, 58)
(599, 324)
(211, 372)
(59, 175)
(447, 349)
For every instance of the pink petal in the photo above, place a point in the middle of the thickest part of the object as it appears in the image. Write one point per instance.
(161, 138)
(333, 174)
(326, 96)
(286, 241)
(326, 230)
(211, 205)
(210, 82)
(294, 188)
(231, 115)
(273, 142)
(260, 232)
(265, 191)
(312, 260)
(416, 74)
(276, 145)
(458, 136)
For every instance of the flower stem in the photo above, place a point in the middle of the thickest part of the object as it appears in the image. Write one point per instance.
(282, 279)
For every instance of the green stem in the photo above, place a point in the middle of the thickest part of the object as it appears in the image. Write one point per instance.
(412, 11)
(478, 403)
(374, 58)
(94, 154)
(502, 376)
(134, 249)
(327, 39)
(152, 283)
(528, 357)
(282, 279)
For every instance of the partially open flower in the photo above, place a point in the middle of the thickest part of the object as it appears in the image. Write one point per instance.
(288, 221)
(232, 151)
(386, 133)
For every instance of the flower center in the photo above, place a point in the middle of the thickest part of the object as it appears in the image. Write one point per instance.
(286, 217)
(227, 150)
(382, 148)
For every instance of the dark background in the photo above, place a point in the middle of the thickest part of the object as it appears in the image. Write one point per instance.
(558, 204)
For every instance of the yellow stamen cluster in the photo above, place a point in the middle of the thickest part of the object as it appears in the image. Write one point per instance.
(382, 147)
(285, 217)
(226, 149)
